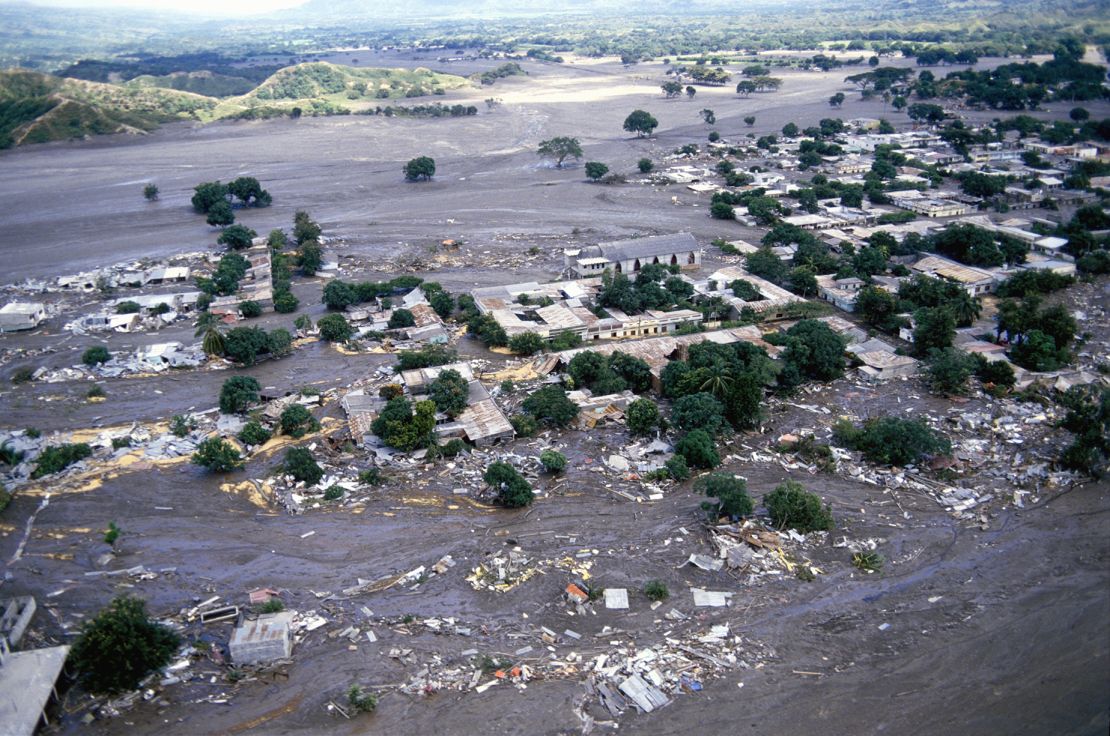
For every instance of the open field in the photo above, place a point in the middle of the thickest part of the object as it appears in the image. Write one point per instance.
(994, 628)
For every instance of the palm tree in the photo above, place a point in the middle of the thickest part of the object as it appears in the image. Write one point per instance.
(213, 343)
(205, 322)
(966, 308)
(718, 383)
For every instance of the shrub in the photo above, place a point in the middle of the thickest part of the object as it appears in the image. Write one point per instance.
(181, 425)
(254, 434)
(371, 477)
(111, 534)
(119, 442)
(300, 464)
(595, 170)
(731, 494)
(120, 647)
(96, 355)
(217, 455)
(285, 302)
(697, 449)
(94, 392)
(250, 309)
(524, 425)
(512, 490)
(56, 458)
(451, 448)
(790, 505)
(274, 605)
(237, 393)
(869, 562)
(297, 421)
(677, 468)
(361, 702)
(645, 165)
(553, 461)
(128, 307)
(526, 343)
(430, 356)
(642, 416)
(22, 374)
(656, 590)
(334, 328)
(333, 493)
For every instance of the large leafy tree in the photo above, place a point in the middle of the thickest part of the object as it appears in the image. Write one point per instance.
(560, 148)
(449, 392)
(238, 393)
(121, 646)
(641, 123)
(420, 168)
(550, 405)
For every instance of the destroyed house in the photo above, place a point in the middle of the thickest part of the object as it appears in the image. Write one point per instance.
(772, 304)
(17, 316)
(629, 256)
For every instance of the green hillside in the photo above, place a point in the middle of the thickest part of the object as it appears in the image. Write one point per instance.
(36, 108)
(324, 87)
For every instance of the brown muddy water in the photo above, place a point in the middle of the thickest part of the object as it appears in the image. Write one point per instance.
(995, 630)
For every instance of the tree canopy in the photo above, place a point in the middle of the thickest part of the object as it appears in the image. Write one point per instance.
(641, 123)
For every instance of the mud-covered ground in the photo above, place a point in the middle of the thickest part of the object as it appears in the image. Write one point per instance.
(995, 624)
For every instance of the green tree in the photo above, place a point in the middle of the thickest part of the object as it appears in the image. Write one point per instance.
(208, 194)
(708, 116)
(334, 328)
(526, 343)
(297, 421)
(150, 191)
(1038, 352)
(744, 401)
(285, 302)
(128, 307)
(213, 342)
(512, 490)
(312, 257)
(405, 427)
(790, 130)
(722, 211)
(812, 351)
(698, 411)
(300, 464)
(645, 165)
(731, 493)
(245, 344)
(836, 100)
(220, 215)
(250, 309)
(560, 148)
(595, 170)
(253, 433)
(553, 461)
(790, 506)
(401, 318)
(237, 237)
(339, 295)
(443, 303)
(238, 393)
(878, 307)
(641, 123)
(449, 392)
(551, 406)
(697, 449)
(217, 455)
(96, 355)
(892, 440)
(934, 328)
(420, 168)
(750, 119)
(642, 416)
(304, 228)
(248, 191)
(120, 647)
(948, 370)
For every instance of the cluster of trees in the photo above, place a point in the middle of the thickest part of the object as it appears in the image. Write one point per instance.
(948, 370)
(245, 344)
(746, 87)
(1039, 337)
(224, 281)
(435, 110)
(892, 440)
(214, 199)
(1026, 85)
(655, 287)
(609, 374)
(812, 352)
(306, 235)
(404, 426)
(1088, 418)
(338, 294)
(977, 247)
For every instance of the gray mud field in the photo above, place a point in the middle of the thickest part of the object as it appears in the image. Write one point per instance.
(992, 627)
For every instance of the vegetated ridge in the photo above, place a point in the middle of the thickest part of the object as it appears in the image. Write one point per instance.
(37, 107)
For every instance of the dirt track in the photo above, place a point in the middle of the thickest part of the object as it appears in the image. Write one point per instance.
(1017, 642)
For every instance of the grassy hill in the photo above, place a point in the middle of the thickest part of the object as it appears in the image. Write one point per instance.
(35, 108)
(323, 87)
